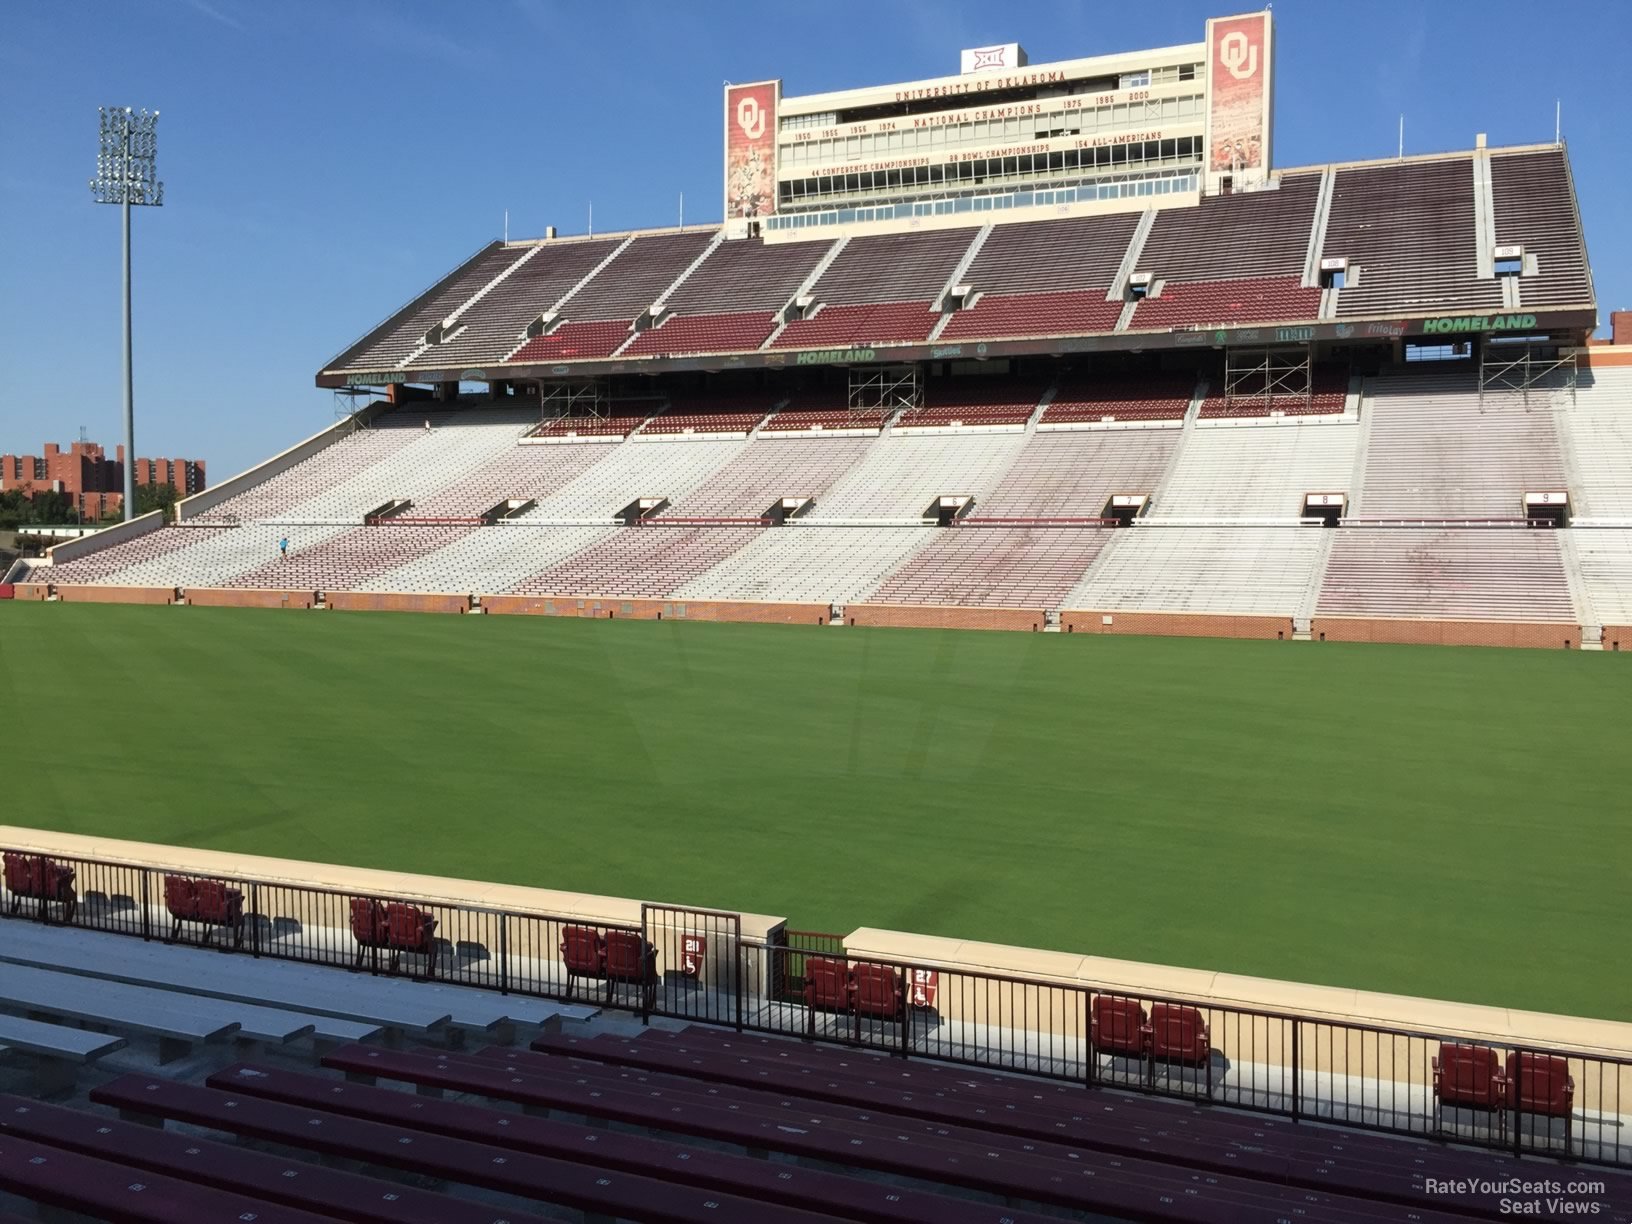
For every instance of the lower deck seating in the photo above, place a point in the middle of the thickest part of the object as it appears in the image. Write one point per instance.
(809, 564)
(639, 562)
(619, 422)
(821, 409)
(1266, 571)
(1471, 574)
(1328, 395)
(1085, 398)
(974, 401)
(1015, 567)
(711, 412)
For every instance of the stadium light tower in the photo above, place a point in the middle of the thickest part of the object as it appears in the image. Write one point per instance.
(127, 174)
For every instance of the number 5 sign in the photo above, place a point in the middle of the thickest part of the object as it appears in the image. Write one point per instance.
(925, 983)
(693, 949)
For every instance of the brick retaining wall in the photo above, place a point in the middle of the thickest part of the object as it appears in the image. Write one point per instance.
(1541, 636)
(923, 616)
(1177, 624)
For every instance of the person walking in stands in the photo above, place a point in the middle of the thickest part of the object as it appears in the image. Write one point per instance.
(283, 548)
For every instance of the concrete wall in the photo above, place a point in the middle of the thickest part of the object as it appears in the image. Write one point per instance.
(61, 554)
(924, 616)
(607, 608)
(199, 503)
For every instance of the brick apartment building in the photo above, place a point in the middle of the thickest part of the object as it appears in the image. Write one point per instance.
(94, 482)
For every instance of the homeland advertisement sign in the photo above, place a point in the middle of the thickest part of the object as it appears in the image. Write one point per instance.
(750, 148)
(1238, 97)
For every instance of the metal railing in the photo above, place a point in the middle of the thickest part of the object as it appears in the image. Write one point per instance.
(694, 964)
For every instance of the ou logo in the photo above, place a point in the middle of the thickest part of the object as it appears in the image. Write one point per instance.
(1239, 58)
(751, 118)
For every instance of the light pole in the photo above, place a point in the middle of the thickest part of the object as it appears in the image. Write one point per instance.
(126, 174)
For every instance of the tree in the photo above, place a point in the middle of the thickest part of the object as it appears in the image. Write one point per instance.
(157, 497)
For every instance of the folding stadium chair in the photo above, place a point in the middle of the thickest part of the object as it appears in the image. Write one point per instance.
(1178, 1034)
(584, 953)
(1118, 1027)
(827, 988)
(1469, 1077)
(630, 960)
(1540, 1085)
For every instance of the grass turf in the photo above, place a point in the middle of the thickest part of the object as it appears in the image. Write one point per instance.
(1331, 814)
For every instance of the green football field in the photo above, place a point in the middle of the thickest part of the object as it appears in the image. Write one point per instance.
(1442, 822)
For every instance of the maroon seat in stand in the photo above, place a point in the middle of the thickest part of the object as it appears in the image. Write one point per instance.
(1469, 1077)
(1540, 1085)
(583, 951)
(1178, 1034)
(631, 961)
(37, 878)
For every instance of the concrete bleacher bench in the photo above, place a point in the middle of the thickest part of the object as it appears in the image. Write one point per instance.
(56, 1050)
(564, 1183)
(381, 1003)
(173, 1020)
(750, 1176)
(226, 1167)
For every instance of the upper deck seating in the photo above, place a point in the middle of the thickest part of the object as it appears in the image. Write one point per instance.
(1248, 300)
(838, 326)
(747, 275)
(1068, 313)
(1086, 397)
(1234, 237)
(634, 280)
(492, 327)
(1410, 228)
(1534, 205)
(392, 341)
(575, 340)
(728, 332)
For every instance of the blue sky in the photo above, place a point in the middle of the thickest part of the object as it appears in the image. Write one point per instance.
(325, 160)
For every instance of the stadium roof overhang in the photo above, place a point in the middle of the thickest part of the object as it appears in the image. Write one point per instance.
(1568, 324)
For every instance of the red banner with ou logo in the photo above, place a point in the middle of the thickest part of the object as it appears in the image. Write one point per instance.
(750, 149)
(1238, 68)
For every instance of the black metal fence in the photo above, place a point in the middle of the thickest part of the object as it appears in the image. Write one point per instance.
(694, 964)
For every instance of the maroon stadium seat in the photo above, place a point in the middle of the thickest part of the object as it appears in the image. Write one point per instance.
(1468, 1077)
(409, 929)
(1178, 1034)
(209, 902)
(584, 953)
(876, 992)
(630, 960)
(367, 926)
(1540, 1085)
(827, 987)
(36, 877)
(1118, 1026)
